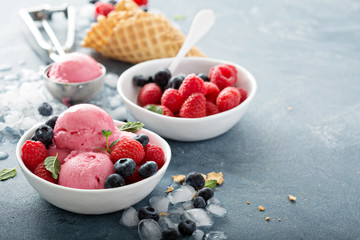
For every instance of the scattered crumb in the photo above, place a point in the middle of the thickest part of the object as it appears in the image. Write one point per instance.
(247, 202)
(164, 214)
(292, 198)
(279, 220)
(170, 189)
(267, 218)
(178, 178)
(204, 176)
(261, 208)
(216, 176)
(290, 108)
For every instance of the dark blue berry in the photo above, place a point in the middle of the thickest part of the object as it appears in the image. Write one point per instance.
(142, 138)
(196, 180)
(162, 77)
(206, 193)
(169, 234)
(112, 2)
(150, 79)
(204, 77)
(34, 138)
(148, 213)
(114, 180)
(44, 134)
(51, 122)
(186, 227)
(148, 169)
(45, 109)
(125, 167)
(199, 202)
(93, 1)
(140, 80)
(176, 81)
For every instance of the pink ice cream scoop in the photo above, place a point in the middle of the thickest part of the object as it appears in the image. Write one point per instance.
(75, 68)
(86, 170)
(80, 127)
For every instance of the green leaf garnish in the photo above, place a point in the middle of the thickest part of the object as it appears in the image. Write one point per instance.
(106, 133)
(131, 127)
(7, 173)
(113, 143)
(52, 164)
(155, 109)
(179, 17)
(210, 183)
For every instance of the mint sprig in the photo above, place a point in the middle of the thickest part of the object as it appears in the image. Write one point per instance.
(52, 164)
(210, 183)
(7, 173)
(155, 109)
(107, 134)
(131, 127)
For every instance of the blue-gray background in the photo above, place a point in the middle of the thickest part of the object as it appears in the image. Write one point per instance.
(305, 55)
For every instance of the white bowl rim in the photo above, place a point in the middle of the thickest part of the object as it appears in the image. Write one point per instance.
(215, 61)
(28, 133)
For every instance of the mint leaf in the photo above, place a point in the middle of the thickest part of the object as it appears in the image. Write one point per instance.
(210, 183)
(7, 173)
(131, 127)
(113, 143)
(155, 109)
(52, 164)
(106, 133)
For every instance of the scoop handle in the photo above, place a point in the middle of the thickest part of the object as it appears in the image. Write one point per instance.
(201, 24)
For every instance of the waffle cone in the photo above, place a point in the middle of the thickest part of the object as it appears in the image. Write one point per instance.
(129, 34)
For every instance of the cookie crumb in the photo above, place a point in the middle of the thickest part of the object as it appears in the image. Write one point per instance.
(279, 220)
(247, 202)
(290, 108)
(292, 198)
(170, 189)
(267, 218)
(216, 176)
(164, 214)
(178, 178)
(261, 208)
(204, 176)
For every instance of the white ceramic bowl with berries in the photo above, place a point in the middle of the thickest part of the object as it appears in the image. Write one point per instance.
(178, 128)
(95, 201)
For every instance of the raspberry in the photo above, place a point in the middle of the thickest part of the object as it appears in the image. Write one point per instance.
(243, 94)
(33, 153)
(154, 153)
(212, 91)
(223, 75)
(228, 98)
(127, 148)
(141, 2)
(194, 106)
(103, 8)
(211, 108)
(192, 84)
(172, 100)
(42, 172)
(149, 94)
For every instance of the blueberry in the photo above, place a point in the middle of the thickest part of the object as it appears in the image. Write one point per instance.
(93, 1)
(150, 79)
(112, 2)
(169, 234)
(206, 193)
(139, 80)
(176, 81)
(162, 77)
(204, 77)
(114, 180)
(148, 213)
(148, 169)
(44, 134)
(51, 122)
(199, 202)
(196, 180)
(45, 109)
(186, 227)
(142, 138)
(125, 167)
(34, 138)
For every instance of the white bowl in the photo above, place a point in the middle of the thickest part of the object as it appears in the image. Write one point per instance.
(96, 201)
(185, 129)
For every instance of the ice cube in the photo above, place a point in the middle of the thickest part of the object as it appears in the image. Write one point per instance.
(165, 223)
(182, 194)
(216, 209)
(213, 200)
(5, 67)
(188, 205)
(215, 235)
(200, 216)
(129, 217)
(3, 155)
(197, 235)
(111, 80)
(160, 203)
(11, 77)
(149, 229)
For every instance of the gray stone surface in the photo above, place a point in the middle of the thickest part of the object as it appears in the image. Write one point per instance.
(304, 55)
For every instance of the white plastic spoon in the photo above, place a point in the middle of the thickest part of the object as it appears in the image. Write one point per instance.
(201, 24)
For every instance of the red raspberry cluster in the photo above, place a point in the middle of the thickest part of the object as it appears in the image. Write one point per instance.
(196, 97)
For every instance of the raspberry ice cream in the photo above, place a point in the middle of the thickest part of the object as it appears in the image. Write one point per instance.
(86, 170)
(80, 126)
(75, 68)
